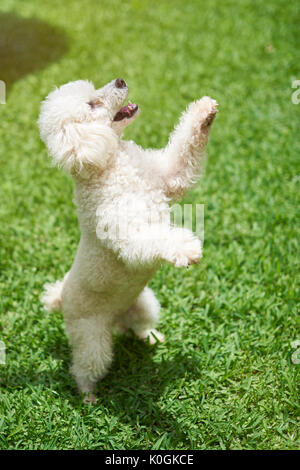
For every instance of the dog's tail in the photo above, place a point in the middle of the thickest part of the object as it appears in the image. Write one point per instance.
(51, 297)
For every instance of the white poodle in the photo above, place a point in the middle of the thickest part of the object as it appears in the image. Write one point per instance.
(122, 193)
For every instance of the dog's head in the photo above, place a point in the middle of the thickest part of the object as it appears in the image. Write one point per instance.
(81, 126)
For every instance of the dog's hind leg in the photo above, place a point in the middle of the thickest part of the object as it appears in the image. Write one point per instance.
(142, 317)
(51, 298)
(91, 341)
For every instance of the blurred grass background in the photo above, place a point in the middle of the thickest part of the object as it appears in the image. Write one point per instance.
(224, 378)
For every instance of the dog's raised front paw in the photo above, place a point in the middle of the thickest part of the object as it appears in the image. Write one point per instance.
(190, 252)
(204, 112)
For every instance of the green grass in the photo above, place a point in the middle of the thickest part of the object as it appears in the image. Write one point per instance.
(224, 378)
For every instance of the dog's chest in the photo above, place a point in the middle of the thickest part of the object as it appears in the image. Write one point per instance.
(121, 191)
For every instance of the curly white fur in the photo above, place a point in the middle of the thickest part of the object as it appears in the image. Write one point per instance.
(122, 193)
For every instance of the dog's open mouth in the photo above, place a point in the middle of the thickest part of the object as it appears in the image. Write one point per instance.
(126, 112)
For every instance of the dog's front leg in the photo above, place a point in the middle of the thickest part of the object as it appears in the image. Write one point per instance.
(182, 160)
(154, 243)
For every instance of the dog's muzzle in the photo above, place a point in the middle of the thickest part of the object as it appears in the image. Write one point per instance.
(126, 112)
(120, 83)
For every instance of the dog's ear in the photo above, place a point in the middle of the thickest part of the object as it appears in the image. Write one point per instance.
(80, 144)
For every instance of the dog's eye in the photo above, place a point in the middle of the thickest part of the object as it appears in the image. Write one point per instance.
(96, 103)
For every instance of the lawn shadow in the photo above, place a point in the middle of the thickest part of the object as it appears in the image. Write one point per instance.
(133, 388)
(27, 45)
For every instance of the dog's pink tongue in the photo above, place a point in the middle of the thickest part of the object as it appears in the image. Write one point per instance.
(126, 111)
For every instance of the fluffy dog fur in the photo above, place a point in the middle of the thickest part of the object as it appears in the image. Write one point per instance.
(117, 181)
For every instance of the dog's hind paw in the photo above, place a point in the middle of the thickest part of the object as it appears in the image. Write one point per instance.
(153, 336)
(89, 398)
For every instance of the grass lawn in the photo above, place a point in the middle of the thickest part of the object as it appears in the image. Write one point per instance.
(224, 379)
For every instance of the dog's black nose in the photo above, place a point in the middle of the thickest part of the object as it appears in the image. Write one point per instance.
(120, 83)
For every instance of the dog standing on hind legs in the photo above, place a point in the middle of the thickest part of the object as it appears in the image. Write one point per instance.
(118, 183)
